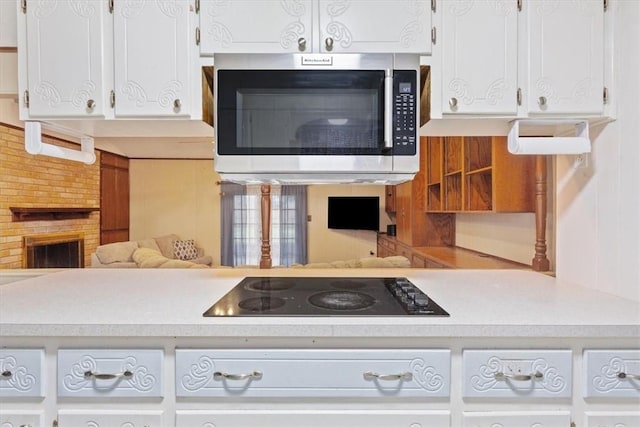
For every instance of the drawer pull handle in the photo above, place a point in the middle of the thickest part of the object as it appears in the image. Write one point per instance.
(6, 374)
(621, 375)
(388, 377)
(518, 377)
(98, 376)
(237, 377)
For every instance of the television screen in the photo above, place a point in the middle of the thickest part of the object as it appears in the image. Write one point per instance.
(354, 213)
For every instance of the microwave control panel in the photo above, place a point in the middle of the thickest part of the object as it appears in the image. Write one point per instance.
(405, 112)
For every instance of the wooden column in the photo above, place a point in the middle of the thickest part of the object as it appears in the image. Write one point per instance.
(540, 261)
(265, 211)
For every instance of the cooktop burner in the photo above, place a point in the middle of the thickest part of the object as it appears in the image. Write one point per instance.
(325, 296)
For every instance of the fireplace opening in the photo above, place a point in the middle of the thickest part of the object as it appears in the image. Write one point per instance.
(54, 251)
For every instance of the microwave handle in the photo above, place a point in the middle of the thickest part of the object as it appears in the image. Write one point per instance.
(388, 111)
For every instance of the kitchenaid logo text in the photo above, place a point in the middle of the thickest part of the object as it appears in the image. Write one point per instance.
(317, 60)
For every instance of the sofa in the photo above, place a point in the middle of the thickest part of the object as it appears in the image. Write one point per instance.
(169, 251)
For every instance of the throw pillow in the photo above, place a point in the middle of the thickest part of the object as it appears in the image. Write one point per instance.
(185, 249)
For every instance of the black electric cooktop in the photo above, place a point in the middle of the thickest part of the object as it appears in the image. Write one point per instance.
(325, 296)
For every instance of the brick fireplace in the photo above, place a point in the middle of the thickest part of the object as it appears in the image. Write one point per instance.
(31, 183)
(57, 250)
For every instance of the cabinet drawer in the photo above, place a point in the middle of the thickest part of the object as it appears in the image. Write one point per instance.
(110, 373)
(517, 374)
(312, 373)
(108, 418)
(17, 418)
(517, 419)
(312, 418)
(612, 373)
(612, 418)
(22, 373)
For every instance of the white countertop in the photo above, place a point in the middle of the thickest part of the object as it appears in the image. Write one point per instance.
(170, 303)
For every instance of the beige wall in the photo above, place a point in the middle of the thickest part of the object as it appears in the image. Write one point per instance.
(176, 196)
(181, 196)
(330, 245)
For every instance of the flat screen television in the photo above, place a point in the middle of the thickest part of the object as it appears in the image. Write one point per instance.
(354, 213)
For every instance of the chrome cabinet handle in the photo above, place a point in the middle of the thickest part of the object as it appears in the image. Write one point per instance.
(177, 104)
(302, 44)
(453, 103)
(328, 42)
(6, 374)
(99, 376)
(624, 375)
(91, 104)
(368, 375)
(237, 377)
(518, 377)
(542, 101)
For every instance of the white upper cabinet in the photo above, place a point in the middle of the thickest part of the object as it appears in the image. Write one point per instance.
(315, 26)
(66, 71)
(566, 56)
(398, 26)
(479, 61)
(151, 58)
(8, 28)
(256, 26)
(86, 60)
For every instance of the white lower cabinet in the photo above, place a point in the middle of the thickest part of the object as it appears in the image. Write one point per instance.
(612, 374)
(110, 373)
(22, 373)
(312, 373)
(517, 419)
(516, 374)
(17, 418)
(312, 418)
(109, 418)
(612, 419)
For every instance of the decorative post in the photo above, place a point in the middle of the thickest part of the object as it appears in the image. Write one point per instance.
(540, 261)
(265, 213)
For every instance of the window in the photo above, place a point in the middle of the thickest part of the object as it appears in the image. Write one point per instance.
(242, 228)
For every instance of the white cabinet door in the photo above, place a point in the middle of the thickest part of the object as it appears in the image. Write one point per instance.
(256, 26)
(566, 56)
(21, 418)
(65, 56)
(312, 373)
(151, 58)
(612, 373)
(359, 26)
(517, 419)
(517, 374)
(479, 57)
(612, 419)
(312, 418)
(99, 373)
(8, 23)
(109, 418)
(22, 373)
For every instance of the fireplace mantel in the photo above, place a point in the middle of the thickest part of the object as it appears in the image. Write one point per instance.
(49, 214)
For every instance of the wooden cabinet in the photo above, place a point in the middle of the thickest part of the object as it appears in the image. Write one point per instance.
(350, 26)
(479, 32)
(134, 60)
(390, 199)
(413, 226)
(477, 174)
(114, 198)
(565, 57)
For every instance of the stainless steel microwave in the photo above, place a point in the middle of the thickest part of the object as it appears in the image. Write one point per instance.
(295, 118)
